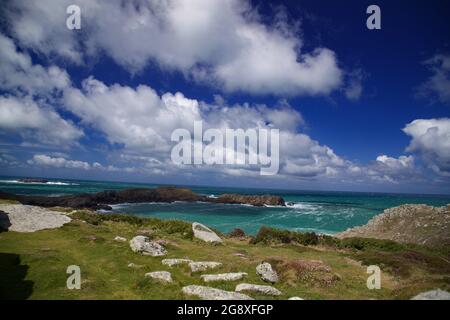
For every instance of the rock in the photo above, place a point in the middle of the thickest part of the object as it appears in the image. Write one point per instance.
(203, 265)
(136, 266)
(22, 218)
(233, 276)
(208, 293)
(295, 298)
(174, 262)
(240, 255)
(165, 242)
(410, 223)
(268, 290)
(204, 233)
(163, 276)
(101, 200)
(433, 295)
(120, 239)
(254, 200)
(143, 245)
(265, 271)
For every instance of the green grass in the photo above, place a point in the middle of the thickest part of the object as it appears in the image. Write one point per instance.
(33, 265)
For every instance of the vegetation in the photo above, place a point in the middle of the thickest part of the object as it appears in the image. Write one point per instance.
(268, 235)
(33, 265)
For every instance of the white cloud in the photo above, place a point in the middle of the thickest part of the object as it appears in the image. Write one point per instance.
(18, 73)
(218, 42)
(63, 162)
(431, 139)
(34, 122)
(142, 121)
(354, 88)
(396, 163)
(58, 162)
(437, 86)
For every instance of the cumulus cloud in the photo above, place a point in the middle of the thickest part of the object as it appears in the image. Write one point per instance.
(63, 162)
(217, 42)
(36, 122)
(431, 139)
(59, 162)
(19, 74)
(437, 86)
(142, 122)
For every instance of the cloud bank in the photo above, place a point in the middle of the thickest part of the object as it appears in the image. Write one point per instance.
(223, 43)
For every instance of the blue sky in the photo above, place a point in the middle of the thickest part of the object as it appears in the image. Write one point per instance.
(358, 109)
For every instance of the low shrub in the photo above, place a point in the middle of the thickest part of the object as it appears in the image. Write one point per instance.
(172, 227)
(97, 218)
(368, 243)
(236, 233)
(270, 235)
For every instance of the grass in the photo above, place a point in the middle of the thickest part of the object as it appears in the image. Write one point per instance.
(33, 265)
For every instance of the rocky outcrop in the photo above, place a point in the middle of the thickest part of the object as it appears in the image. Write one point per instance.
(265, 271)
(163, 276)
(143, 245)
(208, 293)
(204, 233)
(410, 223)
(22, 218)
(232, 276)
(203, 265)
(101, 200)
(267, 290)
(175, 262)
(254, 200)
(433, 295)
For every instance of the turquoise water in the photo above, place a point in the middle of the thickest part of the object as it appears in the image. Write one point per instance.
(325, 212)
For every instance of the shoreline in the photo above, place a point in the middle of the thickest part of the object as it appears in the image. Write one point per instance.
(309, 266)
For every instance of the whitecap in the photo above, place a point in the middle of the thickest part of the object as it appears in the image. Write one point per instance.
(303, 206)
(58, 183)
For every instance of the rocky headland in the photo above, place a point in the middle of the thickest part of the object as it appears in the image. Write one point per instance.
(102, 200)
(409, 223)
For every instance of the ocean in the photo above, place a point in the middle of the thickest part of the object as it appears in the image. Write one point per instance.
(318, 211)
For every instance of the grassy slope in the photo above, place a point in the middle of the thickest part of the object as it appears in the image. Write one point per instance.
(45, 255)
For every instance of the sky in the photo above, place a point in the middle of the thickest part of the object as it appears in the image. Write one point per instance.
(357, 109)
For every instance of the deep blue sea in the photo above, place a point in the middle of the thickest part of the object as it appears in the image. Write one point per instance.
(319, 211)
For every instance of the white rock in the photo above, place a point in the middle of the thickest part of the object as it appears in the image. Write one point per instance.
(174, 262)
(204, 233)
(164, 276)
(295, 298)
(143, 245)
(265, 271)
(433, 295)
(208, 293)
(203, 265)
(24, 218)
(133, 265)
(268, 290)
(120, 239)
(232, 276)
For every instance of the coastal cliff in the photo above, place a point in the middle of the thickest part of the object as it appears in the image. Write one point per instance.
(409, 223)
